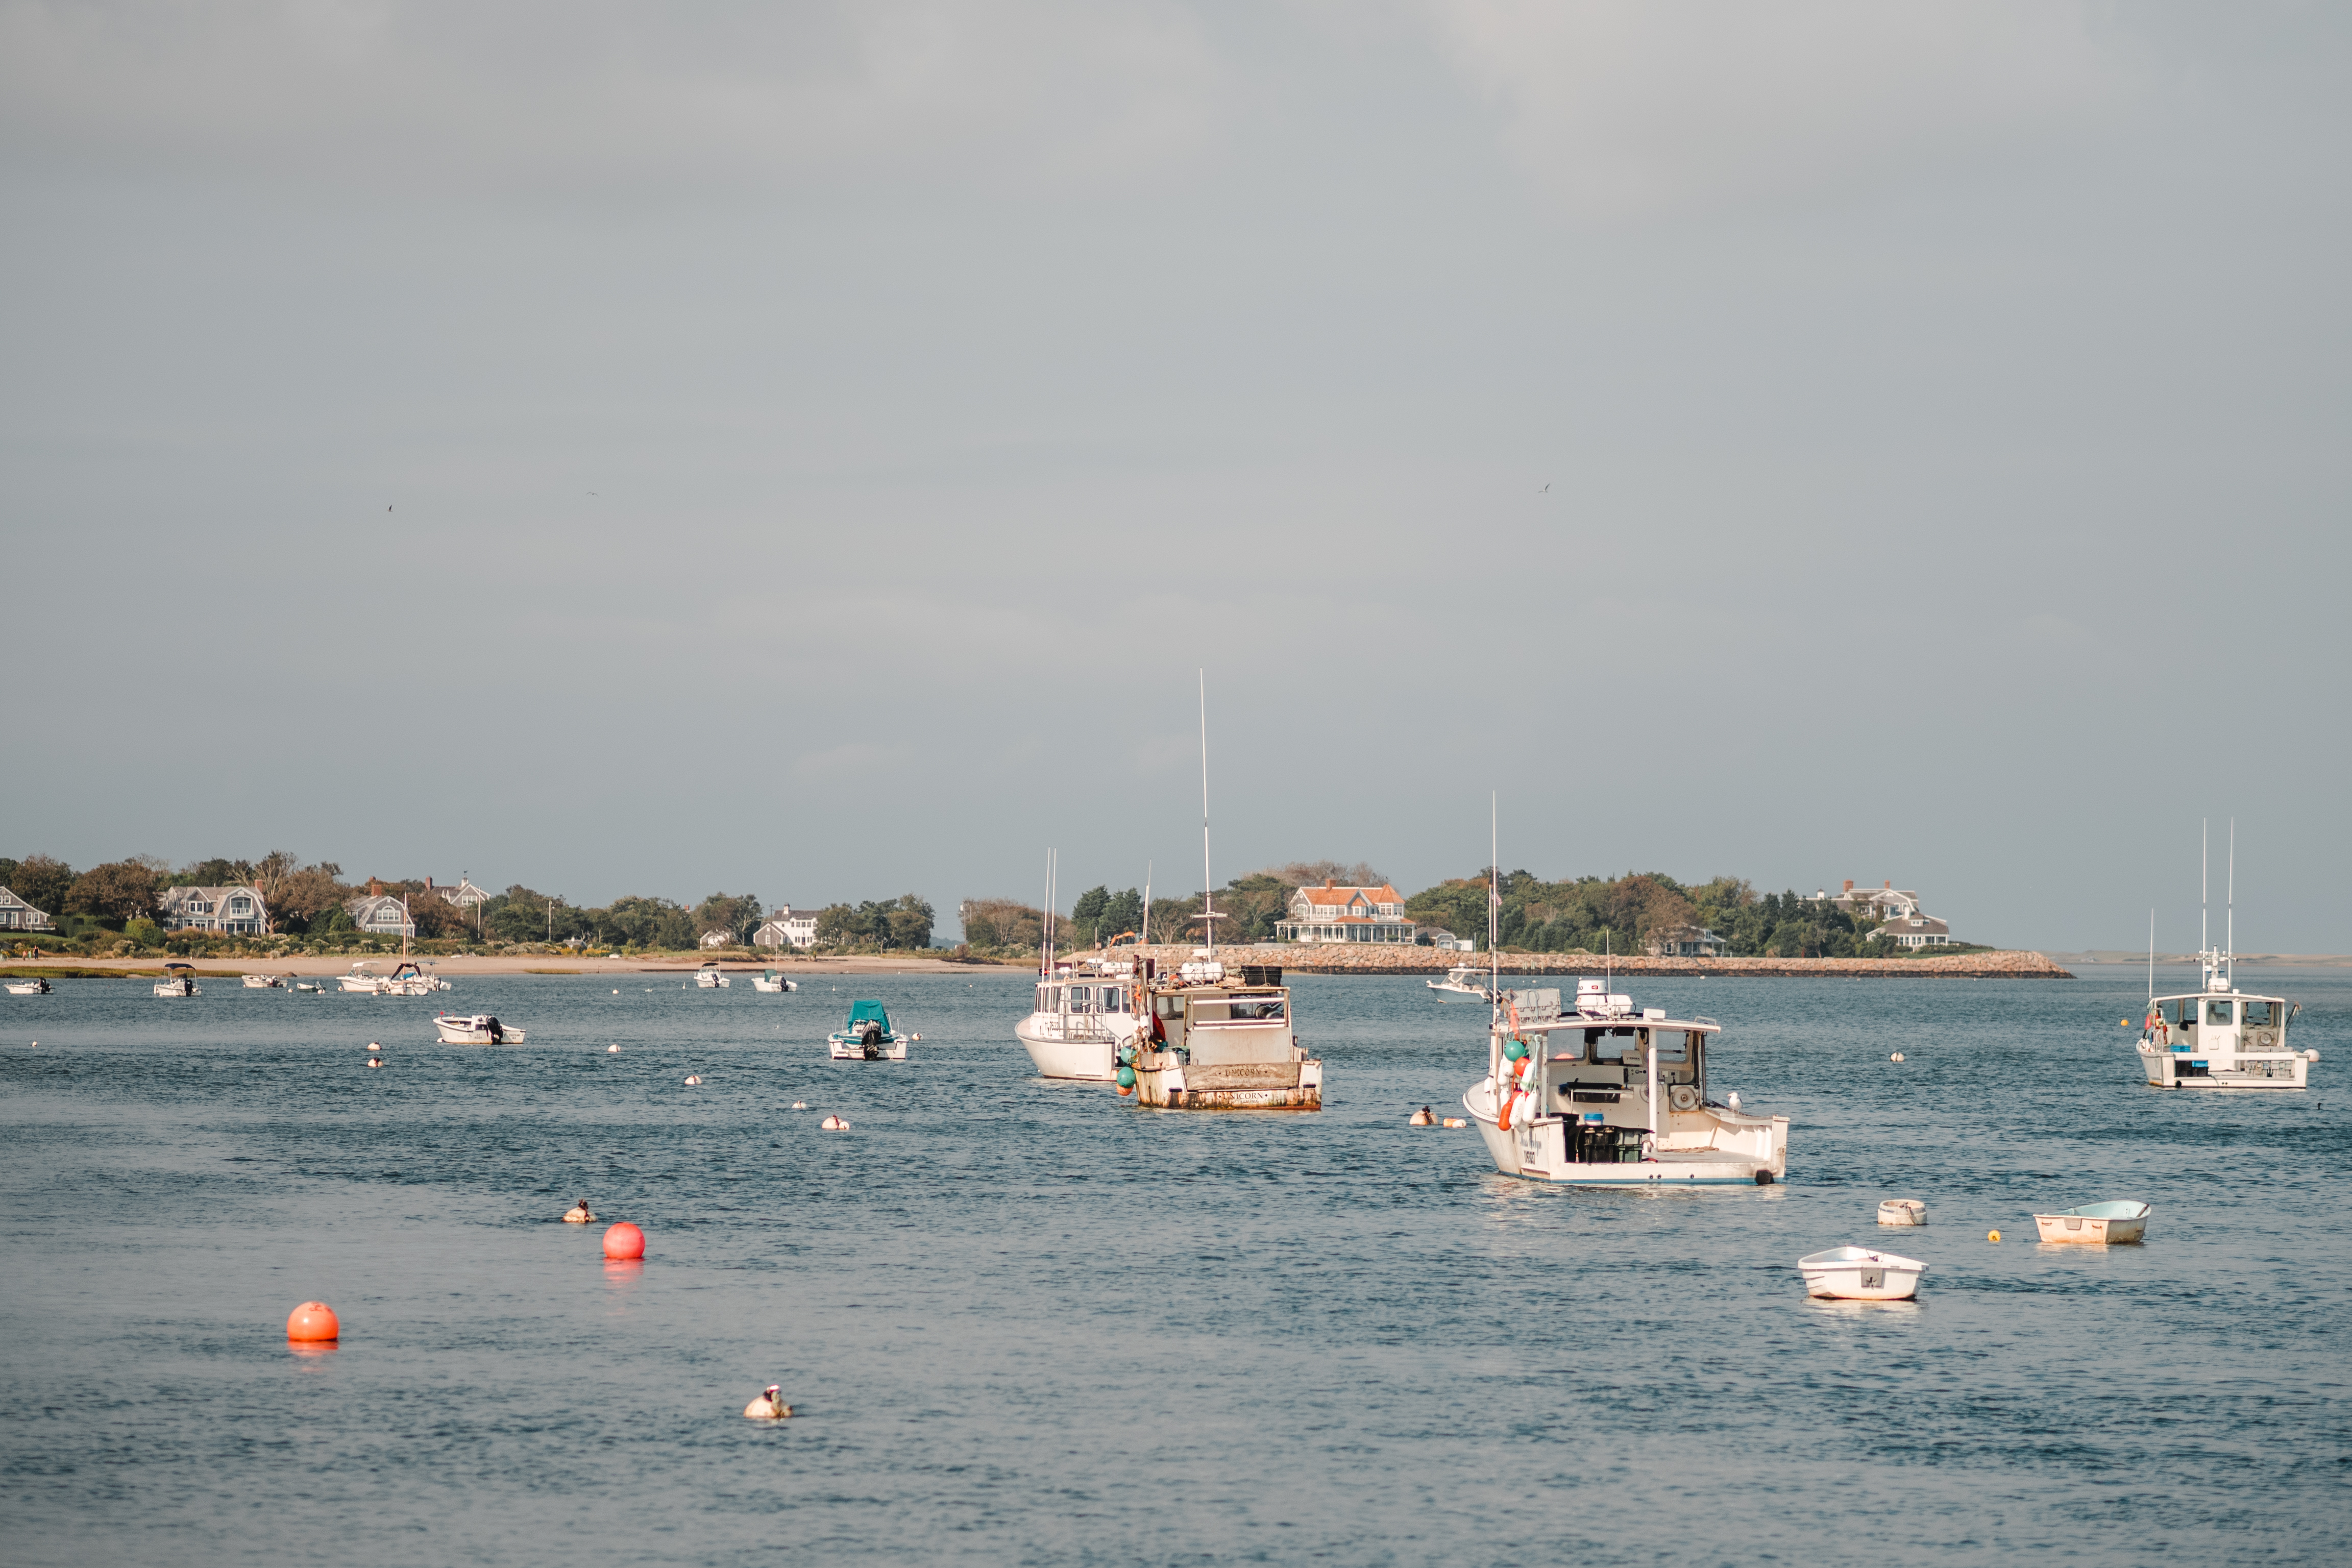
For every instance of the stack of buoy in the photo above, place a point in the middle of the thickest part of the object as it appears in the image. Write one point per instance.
(1125, 1077)
(1517, 1080)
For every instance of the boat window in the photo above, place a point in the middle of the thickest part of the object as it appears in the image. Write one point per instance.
(1114, 999)
(2258, 1011)
(2184, 1013)
(1256, 1007)
(1205, 1011)
(1168, 1007)
(2217, 1010)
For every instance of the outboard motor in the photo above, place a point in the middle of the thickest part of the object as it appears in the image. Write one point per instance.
(498, 1035)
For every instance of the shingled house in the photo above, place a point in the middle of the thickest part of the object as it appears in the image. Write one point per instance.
(1334, 913)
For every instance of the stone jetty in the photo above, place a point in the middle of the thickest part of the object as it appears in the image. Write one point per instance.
(1386, 958)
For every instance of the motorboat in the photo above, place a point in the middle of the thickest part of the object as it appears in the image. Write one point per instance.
(1602, 1095)
(36, 986)
(475, 1029)
(867, 1037)
(306, 985)
(2095, 1225)
(1861, 1274)
(1085, 1013)
(1462, 982)
(410, 979)
(707, 977)
(774, 980)
(265, 983)
(363, 980)
(178, 980)
(2219, 1036)
(1219, 1037)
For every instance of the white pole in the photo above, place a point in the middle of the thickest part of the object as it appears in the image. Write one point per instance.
(1651, 1051)
(2202, 883)
(1208, 908)
(2230, 925)
(1144, 938)
(2151, 958)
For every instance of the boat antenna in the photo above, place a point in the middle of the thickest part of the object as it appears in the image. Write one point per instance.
(2151, 958)
(1208, 908)
(1144, 938)
(1045, 926)
(2204, 949)
(1493, 898)
(2230, 919)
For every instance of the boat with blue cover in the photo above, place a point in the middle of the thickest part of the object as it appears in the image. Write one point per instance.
(867, 1037)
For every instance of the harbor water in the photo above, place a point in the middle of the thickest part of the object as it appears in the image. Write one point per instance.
(1024, 1322)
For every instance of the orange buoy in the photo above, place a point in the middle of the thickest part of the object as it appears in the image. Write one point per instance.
(312, 1321)
(625, 1240)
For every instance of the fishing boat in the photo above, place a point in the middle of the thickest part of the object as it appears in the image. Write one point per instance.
(411, 980)
(1860, 1274)
(36, 986)
(265, 983)
(774, 980)
(1220, 1038)
(2219, 1036)
(475, 1029)
(707, 977)
(1085, 1013)
(178, 980)
(2095, 1225)
(1462, 982)
(363, 980)
(867, 1037)
(1604, 1095)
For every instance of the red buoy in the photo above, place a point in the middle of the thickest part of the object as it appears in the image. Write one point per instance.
(312, 1321)
(625, 1240)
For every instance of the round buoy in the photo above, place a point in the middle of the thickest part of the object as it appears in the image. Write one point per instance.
(1896, 1057)
(799, 1105)
(1993, 1236)
(1126, 1078)
(624, 1241)
(835, 1124)
(312, 1323)
(375, 1061)
(1125, 1089)
(612, 1050)
(2123, 1023)
(373, 1046)
(692, 1079)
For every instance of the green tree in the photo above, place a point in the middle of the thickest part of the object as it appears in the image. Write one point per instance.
(42, 881)
(907, 923)
(739, 917)
(1086, 914)
(1122, 912)
(120, 890)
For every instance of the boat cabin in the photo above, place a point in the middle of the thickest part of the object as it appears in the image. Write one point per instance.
(2217, 1037)
(1605, 1078)
(1216, 1021)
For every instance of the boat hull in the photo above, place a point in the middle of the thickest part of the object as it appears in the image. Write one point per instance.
(2093, 1230)
(1757, 1154)
(2185, 1069)
(1081, 1060)
(849, 1048)
(1858, 1274)
(465, 1032)
(772, 986)
(1163, 1082)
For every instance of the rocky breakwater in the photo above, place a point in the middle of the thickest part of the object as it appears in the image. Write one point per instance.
(1380, 958)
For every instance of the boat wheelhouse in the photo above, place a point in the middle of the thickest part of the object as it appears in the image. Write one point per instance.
(1607, 1095)
(1220, 1038)
(1086, 1011)
(409, 979)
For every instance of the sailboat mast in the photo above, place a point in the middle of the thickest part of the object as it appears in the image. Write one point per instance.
(2202, 890)
(1144, 939)
(2151, 958)
(2230, 920)
(1494, 898)
(1208, 907)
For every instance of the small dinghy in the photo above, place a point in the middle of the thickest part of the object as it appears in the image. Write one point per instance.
(2095, 1225)
(178, 980)
(1859, 1274)
(479, 1029)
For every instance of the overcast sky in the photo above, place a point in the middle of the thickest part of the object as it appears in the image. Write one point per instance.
(810, 449)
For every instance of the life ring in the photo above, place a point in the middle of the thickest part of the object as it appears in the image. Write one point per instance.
(1682, 1097)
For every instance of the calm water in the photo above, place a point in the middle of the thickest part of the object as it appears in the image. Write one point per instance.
(1025, 1323)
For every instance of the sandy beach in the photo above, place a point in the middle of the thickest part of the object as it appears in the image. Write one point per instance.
(459, 965)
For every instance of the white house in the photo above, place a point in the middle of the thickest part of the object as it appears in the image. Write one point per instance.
(1914, 930)
(1334, 913)
(787, 927)
(380, 913)
(1879, 903)
(465, 895)
(15, 914)
(238, 911)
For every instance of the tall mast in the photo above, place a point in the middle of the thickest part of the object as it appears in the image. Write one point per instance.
(2204, 951)
(1144, 938)
(1208, 908)
(2230, 919)
(1045, 926)
(1493, 898)
(2151, 957)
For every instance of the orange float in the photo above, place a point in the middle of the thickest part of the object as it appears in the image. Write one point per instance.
(312, 1323)
(624, 1241)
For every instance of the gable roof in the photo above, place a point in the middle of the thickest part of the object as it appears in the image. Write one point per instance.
(1339, 898)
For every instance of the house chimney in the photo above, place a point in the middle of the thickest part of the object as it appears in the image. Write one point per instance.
(376, 888)
(1888, 884)
(1849, 884)
(1331, 881)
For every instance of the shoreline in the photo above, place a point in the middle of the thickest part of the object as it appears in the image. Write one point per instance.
(457, 964)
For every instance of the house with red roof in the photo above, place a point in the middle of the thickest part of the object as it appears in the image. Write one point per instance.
(1334, 913)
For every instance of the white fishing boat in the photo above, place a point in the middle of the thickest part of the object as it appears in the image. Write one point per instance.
(867, 1037)
(411, 980)
(1085, 1013)
(774, 981)
(1462, 984)
(306, 985)
(36, 986)
(1861, 1274)
(2095, 1225)
(363, 980)
(707, 977)
(475, 1029)
(178, 980)
(1606, 1096)
(1222, 1038)
(2219, 1036)
(265, 983)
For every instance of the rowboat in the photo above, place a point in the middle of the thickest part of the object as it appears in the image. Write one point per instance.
(2095, 1224)
(1860, 1274)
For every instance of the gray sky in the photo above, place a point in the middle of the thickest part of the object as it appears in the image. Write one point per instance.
(821, 442)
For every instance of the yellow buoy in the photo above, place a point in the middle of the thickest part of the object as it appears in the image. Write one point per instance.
(1993, 1236)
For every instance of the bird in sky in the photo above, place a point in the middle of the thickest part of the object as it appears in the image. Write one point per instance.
(1547, 490)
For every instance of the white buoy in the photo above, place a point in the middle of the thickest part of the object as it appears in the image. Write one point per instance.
(1896, 1057)
(767, 1406)
(835, 1124)
(692, 1079)
(612, 1050)
(799, 1105)
(373, 1046)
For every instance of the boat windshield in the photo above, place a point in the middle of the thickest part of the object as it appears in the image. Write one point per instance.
(2260, 1013)
(2217, 1010)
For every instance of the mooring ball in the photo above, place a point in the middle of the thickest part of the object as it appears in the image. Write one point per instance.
(1993, 1236)
(624, 1241)
(313, 1322)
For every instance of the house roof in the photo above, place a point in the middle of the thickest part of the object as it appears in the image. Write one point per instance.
(1338, 898)
(180, 895)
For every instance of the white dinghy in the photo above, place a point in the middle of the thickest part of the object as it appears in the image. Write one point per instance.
(1861, 1274)
(475, 1029)
(265, 983)
(2095, 1225)
(36, 986)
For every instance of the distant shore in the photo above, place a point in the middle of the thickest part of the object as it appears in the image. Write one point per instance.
(1380, 958)
(457, 964)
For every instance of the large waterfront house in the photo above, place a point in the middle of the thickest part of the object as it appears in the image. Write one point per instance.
(787, 927)
(15, 914)
(379, 913)
(1914, 930)
(1686, 941)
(464, 894)
(1334, 913)
(1901, 921)
(233, 911)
